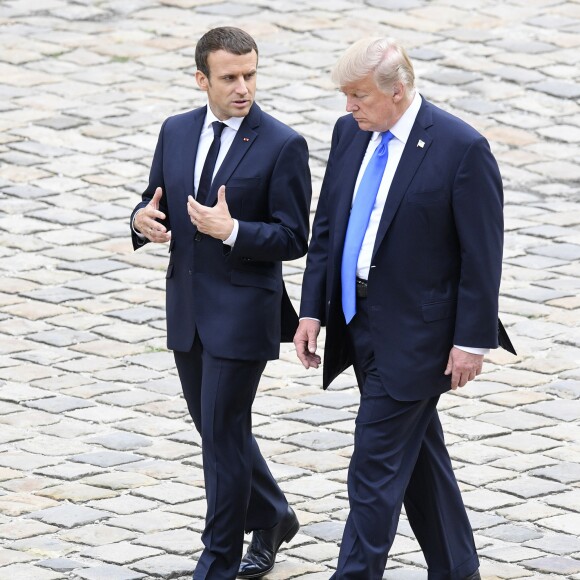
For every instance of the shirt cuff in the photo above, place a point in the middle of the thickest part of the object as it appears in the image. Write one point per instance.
(309, 318)
(473, 350)
(231, 240)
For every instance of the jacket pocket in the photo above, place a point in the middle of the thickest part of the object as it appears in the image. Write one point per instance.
(244, 182)
(433, 195)
(243, 278)
(438, 310)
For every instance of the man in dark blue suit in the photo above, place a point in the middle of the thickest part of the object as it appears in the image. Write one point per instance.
(229, 189)
(404, 269)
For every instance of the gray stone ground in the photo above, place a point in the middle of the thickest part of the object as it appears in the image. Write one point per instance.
(100, 471)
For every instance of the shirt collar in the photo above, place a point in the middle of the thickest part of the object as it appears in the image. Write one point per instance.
(233, 122)
(402, 128)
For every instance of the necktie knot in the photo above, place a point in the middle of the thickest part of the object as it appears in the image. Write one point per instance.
(382, 149)
(217, 127)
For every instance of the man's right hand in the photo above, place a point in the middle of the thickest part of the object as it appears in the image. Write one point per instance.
(146, 222)
(305, 342)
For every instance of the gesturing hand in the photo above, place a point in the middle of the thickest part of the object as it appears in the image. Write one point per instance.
(214, 221)
(146, 220)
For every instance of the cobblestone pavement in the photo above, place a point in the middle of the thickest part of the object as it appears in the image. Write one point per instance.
(100, 471)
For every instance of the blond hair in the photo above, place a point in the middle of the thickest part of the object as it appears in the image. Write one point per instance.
(384, 57)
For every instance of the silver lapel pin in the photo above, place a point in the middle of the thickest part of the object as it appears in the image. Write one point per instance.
(421, 144)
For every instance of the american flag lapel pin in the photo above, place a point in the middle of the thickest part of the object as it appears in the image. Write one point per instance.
(421, 143)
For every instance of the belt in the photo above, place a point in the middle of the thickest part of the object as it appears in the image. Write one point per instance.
(361, 288)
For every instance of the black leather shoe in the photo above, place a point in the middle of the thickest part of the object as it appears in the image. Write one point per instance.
(474, 576)
(261, 555)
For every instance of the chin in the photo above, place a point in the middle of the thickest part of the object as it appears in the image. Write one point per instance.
(240, 112)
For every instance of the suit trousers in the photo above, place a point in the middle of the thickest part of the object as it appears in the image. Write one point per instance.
(242, 495)
(399, 457)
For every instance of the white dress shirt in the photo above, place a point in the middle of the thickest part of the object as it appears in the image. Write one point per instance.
(205, 140)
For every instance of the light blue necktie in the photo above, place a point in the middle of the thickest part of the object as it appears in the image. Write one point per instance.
(359, 219)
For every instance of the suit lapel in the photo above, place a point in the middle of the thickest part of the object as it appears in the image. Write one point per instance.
(412, 157)
(245, 137)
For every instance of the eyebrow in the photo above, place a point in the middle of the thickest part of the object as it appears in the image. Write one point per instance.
(232, 74)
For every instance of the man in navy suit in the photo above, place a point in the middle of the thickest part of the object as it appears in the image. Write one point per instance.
(229, 189)
(409, 295)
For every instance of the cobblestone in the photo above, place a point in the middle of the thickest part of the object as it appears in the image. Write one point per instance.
(100, 468)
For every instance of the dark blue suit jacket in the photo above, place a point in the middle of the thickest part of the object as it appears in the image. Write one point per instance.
(436, 266)
(235, 298)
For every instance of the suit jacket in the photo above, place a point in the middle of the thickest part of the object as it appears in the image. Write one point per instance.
(235, 298)
(436, 265)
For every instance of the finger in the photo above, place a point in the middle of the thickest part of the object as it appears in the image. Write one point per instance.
(155, 214)
(312, 345)
(221, 196)
(300, 346)
(193, 203)
(302, 356)
(156, 197)
(449, 365)
(455, 378)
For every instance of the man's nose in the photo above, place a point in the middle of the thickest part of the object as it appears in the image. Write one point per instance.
(241, 89)
(350, 106)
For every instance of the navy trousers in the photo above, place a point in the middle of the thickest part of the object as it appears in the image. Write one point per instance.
(399, 457)
(241, 493)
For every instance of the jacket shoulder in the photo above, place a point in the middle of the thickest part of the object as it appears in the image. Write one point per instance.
(181, 119)
(273, 125)
(453, 125)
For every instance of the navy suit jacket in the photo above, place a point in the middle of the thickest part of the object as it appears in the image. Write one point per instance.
(436, 265)
(235, 298)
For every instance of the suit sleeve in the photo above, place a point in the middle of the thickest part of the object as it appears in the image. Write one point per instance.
(155, 180)
(285, 235)
(478, 213)
(313, 302)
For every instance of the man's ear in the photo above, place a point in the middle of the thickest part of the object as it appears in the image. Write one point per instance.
(202, 80)
(398, 92)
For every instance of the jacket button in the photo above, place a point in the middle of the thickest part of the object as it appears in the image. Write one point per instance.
(198, 237)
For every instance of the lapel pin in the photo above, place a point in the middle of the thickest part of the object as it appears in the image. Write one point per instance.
(246, 139)
(421, 144)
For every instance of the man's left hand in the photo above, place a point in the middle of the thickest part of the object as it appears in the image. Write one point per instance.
(463, 367)
(214, 221)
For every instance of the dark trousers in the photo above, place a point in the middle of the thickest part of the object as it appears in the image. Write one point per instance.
(241, 493)
(399, 457)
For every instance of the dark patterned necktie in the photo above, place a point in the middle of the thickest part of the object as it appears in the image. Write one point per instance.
(209, 165)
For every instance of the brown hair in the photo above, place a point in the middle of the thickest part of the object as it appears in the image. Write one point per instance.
(228, 38)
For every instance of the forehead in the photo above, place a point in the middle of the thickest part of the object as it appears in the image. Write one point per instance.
(364, 84)
(221, 61)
